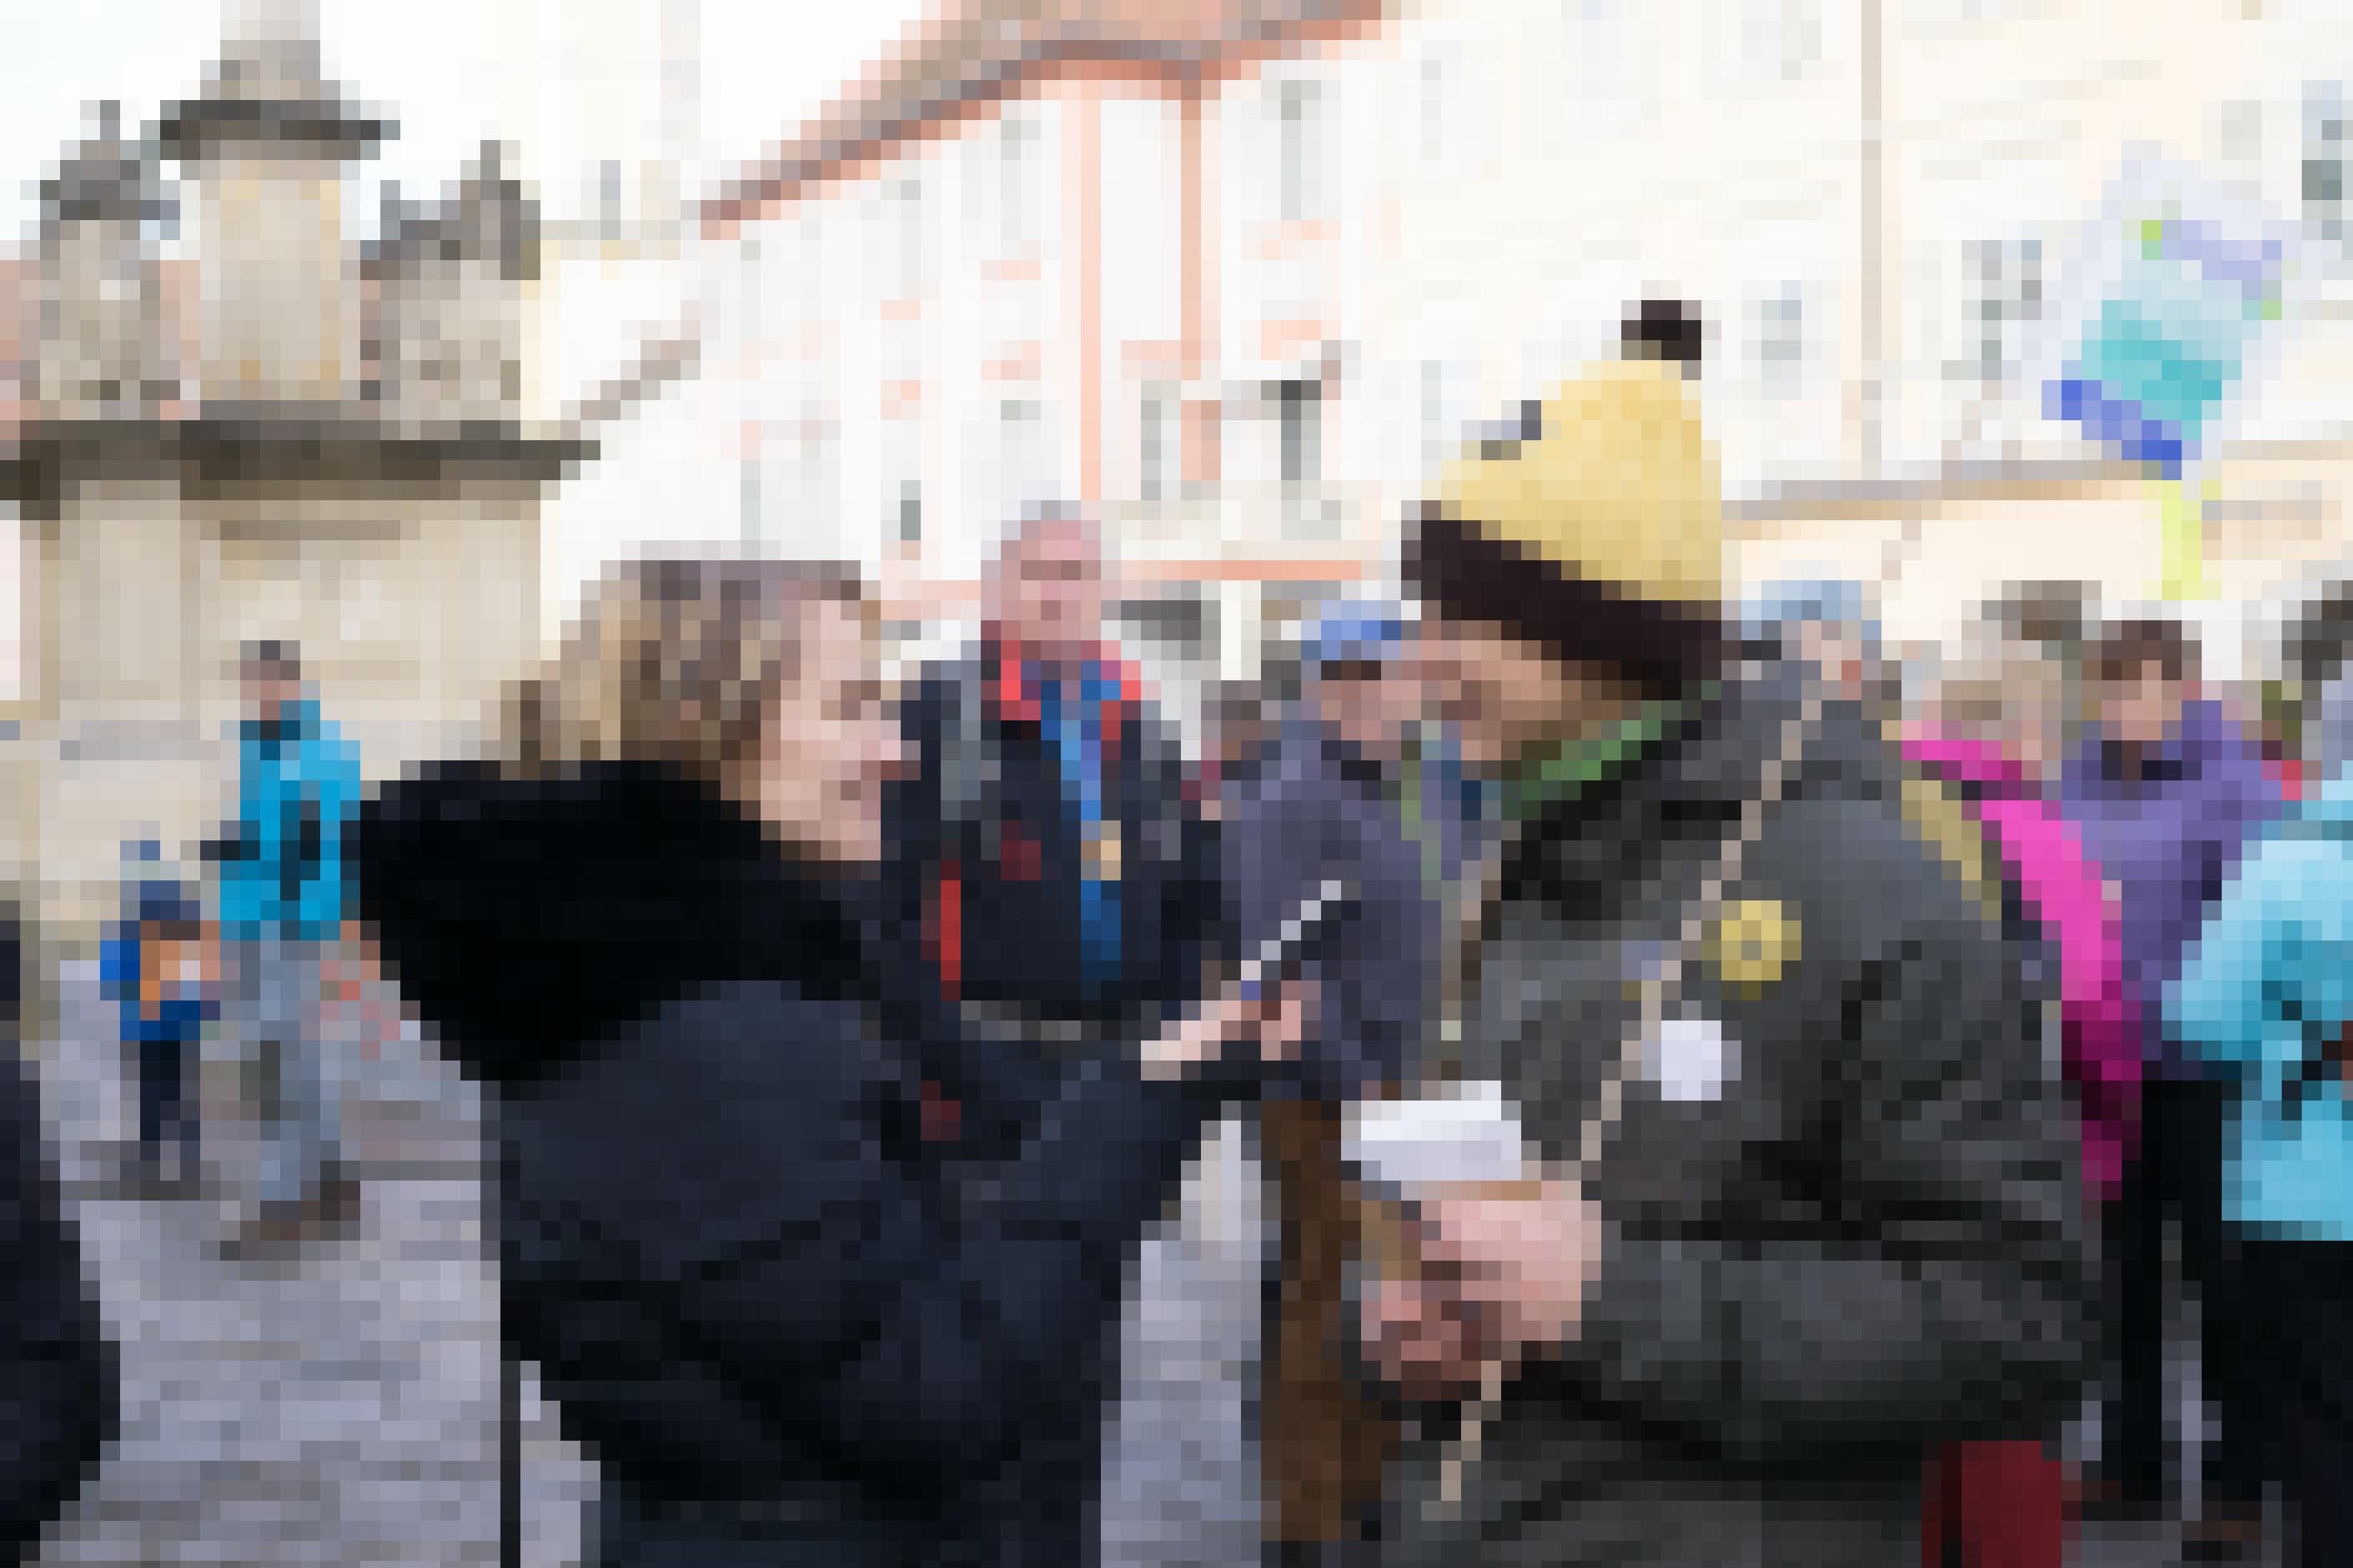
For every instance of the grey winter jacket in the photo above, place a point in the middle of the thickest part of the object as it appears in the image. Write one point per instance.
(1842, 1203)
(1318, 811)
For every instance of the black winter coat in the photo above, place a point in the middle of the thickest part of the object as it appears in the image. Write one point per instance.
(985, 870)
(58, 1378)
(815, 1281)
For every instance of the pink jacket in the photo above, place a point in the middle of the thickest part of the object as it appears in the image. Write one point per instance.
(2062, 888)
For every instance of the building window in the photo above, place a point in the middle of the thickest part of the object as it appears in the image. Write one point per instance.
(1433, 409)
(748, 499)
(910, 519)
(2324, 147)
(1301, 412)
(901, 495)
(608, 197)
(1441, 72)
(905, 222)
(815, 489)
(2239, 132)
(1780, 340)
(2002, 299)
(1020, 455)
(1446, 388)
(751, 281)
(806, 257)
(1017, 144)
(1780, 40)
(1604, 63)
(1296, 106)
(1158, 442)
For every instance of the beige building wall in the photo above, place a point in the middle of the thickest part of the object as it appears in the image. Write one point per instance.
(1434, 219)
(1565, 160)
(279, 322)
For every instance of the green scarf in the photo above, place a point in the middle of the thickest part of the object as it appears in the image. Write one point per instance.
(1577, 765)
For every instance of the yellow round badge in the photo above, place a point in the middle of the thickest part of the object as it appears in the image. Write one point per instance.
(1754, 941)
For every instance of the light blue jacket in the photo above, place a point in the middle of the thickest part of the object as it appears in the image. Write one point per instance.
(2269, 984)
(298, 784)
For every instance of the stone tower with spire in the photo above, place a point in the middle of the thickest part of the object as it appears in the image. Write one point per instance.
(278, 433)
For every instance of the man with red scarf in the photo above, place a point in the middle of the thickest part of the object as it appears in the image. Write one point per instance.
(1047, 855)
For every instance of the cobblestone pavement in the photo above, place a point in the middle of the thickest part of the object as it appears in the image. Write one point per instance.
(1180, 1475)
(338, 1407)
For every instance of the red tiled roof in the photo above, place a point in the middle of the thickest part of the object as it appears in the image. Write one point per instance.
(975, 53)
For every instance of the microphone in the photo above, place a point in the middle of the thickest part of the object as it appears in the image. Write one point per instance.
(1279, 957)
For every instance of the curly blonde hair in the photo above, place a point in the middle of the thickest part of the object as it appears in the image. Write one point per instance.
(672, 661)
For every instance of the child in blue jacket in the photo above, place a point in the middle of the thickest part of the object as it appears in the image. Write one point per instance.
(158, 971)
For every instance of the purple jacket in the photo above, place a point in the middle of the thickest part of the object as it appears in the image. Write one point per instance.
(2168, 842)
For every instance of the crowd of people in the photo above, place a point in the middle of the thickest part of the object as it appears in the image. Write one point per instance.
(1854, 1030)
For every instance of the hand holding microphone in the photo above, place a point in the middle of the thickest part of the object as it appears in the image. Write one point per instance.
(1268, 998)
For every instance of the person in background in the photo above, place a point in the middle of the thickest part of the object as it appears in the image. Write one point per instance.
(1326, 807)
(2165, 792)
(2057, 619)
(2265, 995)
(1825, 632)
(1048, 854)
(1246, 720)
(282, 899)
(2314, 656)
(819, 1276)
(2325, 681)
(1832, 1220)
(1825, 627)
(1992, 728)
(161, 971)
(1995, 725)
(2278, 725)
(59, 1373)
(1317, 801)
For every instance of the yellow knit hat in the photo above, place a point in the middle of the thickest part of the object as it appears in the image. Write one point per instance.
(1598, 534)
(1621, 486)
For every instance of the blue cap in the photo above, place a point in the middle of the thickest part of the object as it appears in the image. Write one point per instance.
(1354, 631)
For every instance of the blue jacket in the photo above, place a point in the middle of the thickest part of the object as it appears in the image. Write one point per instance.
(183, 1011)
(2264, 994)
(282, 873)
(181, 1016)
